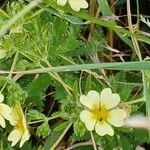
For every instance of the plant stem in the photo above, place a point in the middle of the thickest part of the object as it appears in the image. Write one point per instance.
(60, 138)
(79, 145)
(134, 101)
(146, 87)
(11, 70)
(56, 76)
(37, 121)
(42, 120)
(93, 141)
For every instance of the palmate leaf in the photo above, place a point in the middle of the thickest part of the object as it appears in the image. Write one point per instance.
(60, 93)
(69, 79)
(125, 143)
(60, 28)
(124, 90)
(80, 132)
(15, 93)
(72, 47)
(36, 90)
(35, 115)
(96, 43)
(135, 138)
(109, 143)
(91, 84)
(2, 80)
(43, 130)
(141, 136)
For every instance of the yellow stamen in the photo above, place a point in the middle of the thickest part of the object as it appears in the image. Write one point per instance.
(100, 114)
(19, 124)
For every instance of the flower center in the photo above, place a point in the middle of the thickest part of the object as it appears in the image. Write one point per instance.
(101, 114)
(19, 125)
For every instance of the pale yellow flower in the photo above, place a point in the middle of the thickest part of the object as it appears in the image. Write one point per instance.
(20, 131)
(102, 111)
(5, 111)
(76, 5)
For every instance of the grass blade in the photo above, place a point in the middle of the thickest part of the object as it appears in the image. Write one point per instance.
(137, 65)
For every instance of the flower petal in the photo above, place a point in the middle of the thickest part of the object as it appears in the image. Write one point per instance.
(16, 114)
(61, 2)
(83, 4)
(1, 97)
(108, 99)
(88, 119)
(116, 116)
(92, 100)
(14, 136)
(2, 122)
(5, 111)
(77, 4)
(24, 138)
(103, 128)
(24, 123)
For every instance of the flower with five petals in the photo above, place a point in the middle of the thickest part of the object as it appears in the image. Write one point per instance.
(20, 131)
(102, 112)
(5, 111)
(76, 5)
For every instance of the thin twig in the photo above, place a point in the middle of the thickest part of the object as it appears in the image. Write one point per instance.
(79, 144)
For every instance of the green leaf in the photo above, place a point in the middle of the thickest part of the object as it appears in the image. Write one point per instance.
(22, 65)
(106, 11)
(15, 93)
(133, 65)
(34, 115)
(61, 126)
(80, 132)
(109, 143)
(88, 83)
(27, 146)
(125, 92)
(125, 143)
(2, 80)
(60, 94)
(104, 7)
(119, 3)
(43, 130)
(75, 20)
(134, 108)
(141, 136)
(76, 89)
(37, 88)
(52, 138)
(146, 86)
(2, 53)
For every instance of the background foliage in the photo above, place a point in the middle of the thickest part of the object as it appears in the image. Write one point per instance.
(51, 36)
